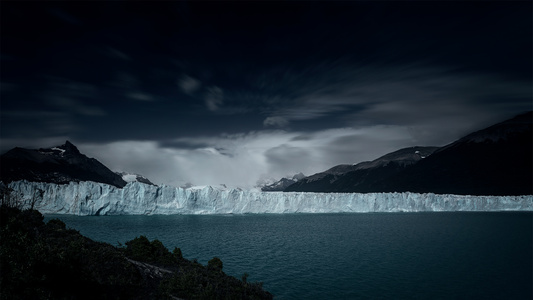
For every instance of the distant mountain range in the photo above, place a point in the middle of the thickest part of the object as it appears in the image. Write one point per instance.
(283, 183)
(494, 161)
(362, 176)
(497, 160)
(61, 164)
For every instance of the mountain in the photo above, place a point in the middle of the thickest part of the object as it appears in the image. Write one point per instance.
(283, 183)
(61, 164)
(129, 177)
(497, 160)
(362, 176)
(494, 161)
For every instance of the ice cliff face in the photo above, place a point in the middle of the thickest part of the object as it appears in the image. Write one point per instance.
(90, 198)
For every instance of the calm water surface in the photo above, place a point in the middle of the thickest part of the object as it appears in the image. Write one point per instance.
(349, 256)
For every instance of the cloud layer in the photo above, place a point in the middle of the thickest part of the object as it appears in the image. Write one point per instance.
(244, 159)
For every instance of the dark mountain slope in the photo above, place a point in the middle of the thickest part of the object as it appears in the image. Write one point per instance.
(61, 164)
(493, 161)
(363, 176)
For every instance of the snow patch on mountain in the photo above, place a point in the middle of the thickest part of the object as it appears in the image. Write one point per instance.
(130, 177)
(61, 151)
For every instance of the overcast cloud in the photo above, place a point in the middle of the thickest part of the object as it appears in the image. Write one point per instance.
(244, 159)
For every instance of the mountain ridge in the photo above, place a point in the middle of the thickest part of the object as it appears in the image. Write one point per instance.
(368, 171)
(60, 164)
(496, 160)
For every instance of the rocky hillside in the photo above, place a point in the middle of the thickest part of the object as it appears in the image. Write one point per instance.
(61, 164)
(49, 261)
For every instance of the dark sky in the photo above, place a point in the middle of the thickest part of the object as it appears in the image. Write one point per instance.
(221, 92)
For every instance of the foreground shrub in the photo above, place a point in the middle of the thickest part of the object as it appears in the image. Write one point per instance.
(50, 261)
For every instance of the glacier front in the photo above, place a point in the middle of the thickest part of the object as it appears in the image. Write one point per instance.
(91, 198)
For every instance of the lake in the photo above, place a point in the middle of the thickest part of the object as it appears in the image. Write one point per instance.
(349, 256)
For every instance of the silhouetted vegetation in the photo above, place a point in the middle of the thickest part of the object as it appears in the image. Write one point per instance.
(49, 261)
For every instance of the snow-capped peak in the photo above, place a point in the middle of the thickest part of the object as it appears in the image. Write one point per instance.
(131, 177)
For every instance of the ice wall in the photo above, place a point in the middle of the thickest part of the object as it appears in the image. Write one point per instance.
(90, 198)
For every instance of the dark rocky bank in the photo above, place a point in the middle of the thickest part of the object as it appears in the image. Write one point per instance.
(49, 261)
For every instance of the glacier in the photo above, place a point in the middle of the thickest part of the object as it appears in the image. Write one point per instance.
(136, 198)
